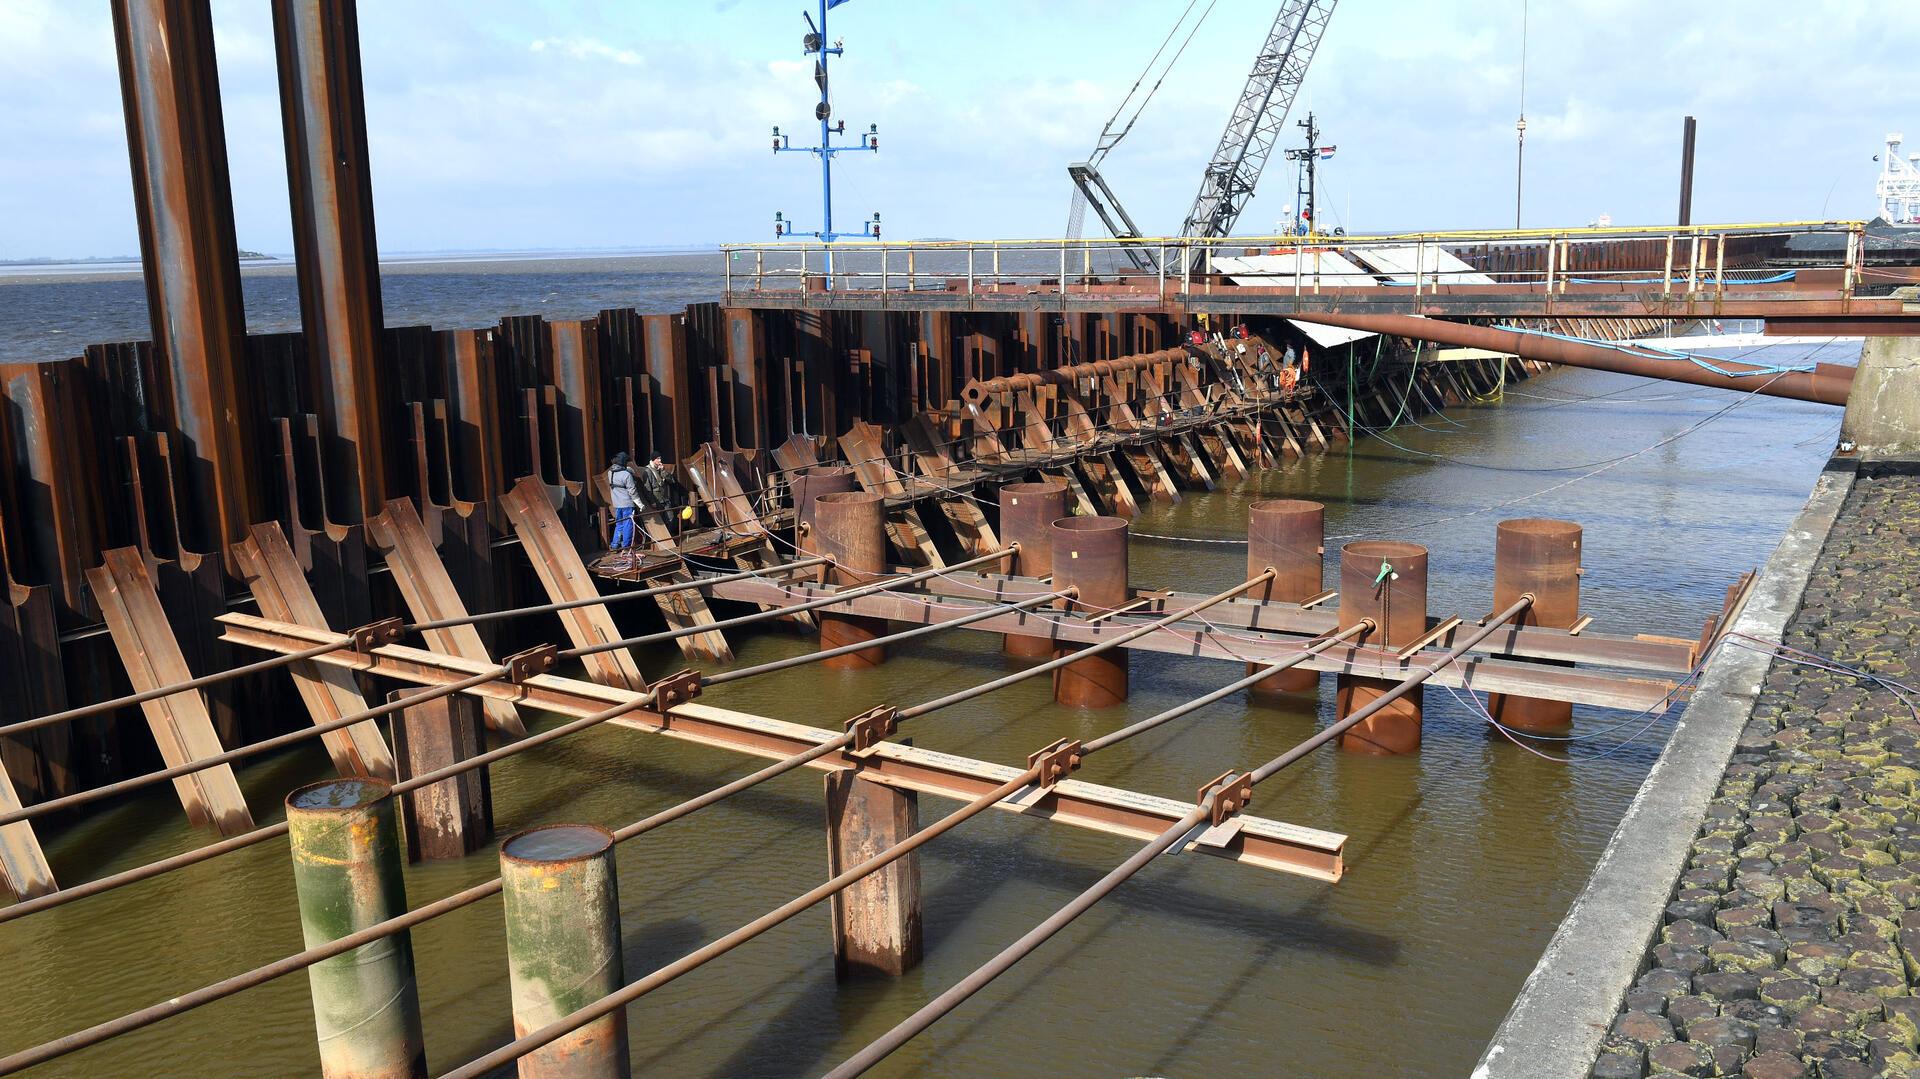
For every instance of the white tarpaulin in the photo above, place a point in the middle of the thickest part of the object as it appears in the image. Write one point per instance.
(1396, 263)
(1325, 268)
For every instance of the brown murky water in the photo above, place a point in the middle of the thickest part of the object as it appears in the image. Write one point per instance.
(1461, 859)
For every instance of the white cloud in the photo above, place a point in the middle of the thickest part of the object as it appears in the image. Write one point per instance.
(499, 123)
(586, 48)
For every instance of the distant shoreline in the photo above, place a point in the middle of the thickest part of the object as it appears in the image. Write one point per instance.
(39, 272)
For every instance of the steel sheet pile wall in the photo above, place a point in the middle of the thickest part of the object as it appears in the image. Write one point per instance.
(98, 456)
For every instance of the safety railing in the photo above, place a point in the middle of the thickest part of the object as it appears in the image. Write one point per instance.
(1680, 260)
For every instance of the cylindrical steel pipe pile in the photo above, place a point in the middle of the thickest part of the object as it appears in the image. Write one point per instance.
(345, 837)
(1386, 581)
(562, 902)
(1027, 513)
(810, 483)
(1090, 554)
(1287, 535)
(850, 527)
(1542, 557)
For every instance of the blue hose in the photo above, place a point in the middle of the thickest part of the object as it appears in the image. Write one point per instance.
(1650, 352)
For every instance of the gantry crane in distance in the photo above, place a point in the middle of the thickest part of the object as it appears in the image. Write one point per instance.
(1231, 176)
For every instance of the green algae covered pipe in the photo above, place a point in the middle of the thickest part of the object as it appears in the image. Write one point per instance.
(346, 868)
(563, 947)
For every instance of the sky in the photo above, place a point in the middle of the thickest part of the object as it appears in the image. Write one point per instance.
(522, 124)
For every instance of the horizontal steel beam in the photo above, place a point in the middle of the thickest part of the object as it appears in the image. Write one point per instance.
(1268, 844)
(1488, 675)
(1645, 653)
(1450, 302)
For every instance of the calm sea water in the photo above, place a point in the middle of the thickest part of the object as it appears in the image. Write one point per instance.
(1462, 858)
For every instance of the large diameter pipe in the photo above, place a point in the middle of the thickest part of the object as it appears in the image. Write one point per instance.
(345, 838)
(1828, 384)
(563, 946)
(1541, 557)
(850, 527)
(1287, 535)
(1090, 554)
(1027, 513)
(978, 391)
(1385, 581)
(812, 482)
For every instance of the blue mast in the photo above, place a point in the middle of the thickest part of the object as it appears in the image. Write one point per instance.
(815, 44)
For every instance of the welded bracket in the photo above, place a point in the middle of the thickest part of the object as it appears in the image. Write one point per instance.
(536, 660)
(676, 689)
(1055, 761)
(1235, 791)
(374, 634)
(872, 727)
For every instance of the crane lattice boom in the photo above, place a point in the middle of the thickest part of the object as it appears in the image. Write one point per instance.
(1248, 141)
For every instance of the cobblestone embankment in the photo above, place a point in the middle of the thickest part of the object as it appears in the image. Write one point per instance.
(1791, 946)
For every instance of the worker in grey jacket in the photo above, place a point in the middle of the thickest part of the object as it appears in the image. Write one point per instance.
(626, 500)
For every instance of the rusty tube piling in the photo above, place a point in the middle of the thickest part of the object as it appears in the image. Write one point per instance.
(1027, 513)
(345, 838)
(1287, 535)
(1090, 555)
(850, 527)
(1385, 581)
(563, 946)
(1540, 556)
(810, 483)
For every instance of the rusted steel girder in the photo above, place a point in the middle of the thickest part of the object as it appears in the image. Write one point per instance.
(1828, 384)
(1489, 671)
(1268, 844)
(977, 391)
(323, 113)
(1666, 655)
(177, 145)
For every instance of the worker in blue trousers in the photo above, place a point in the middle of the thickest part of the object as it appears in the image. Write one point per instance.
(626, 500)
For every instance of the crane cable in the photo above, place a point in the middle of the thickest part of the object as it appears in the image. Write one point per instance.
(1104, 143)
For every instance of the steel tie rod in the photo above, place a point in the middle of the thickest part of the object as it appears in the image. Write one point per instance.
(692, 585)
(96, 793)
(984, 613)
(1093, 649)
(201, 682)
(636, 989)
(279, 968)
(240, 982)
(946, 1002)
(779, 612)
(148, 1016)
(213, 850)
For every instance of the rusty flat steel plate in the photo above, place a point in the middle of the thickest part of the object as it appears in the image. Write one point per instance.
(280, 588)
(565, 578)
(431, 596)
(1489, 675)
(1666, 655)
(1268, 844)
(181, 726)
(23, 865)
